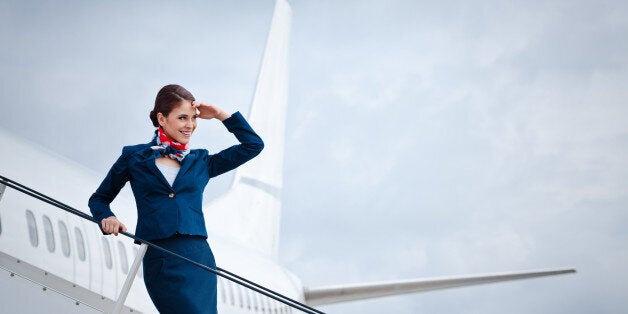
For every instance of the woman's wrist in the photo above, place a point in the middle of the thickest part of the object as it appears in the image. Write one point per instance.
(222, 116)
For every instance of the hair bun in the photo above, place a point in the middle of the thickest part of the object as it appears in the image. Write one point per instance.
(153, 118)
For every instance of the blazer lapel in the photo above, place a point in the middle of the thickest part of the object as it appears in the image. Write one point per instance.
(148, 160)
(186, 164)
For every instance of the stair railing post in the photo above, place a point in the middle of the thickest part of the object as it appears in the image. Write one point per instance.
(129, 279)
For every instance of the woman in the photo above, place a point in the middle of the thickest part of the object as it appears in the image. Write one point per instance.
(168, 179)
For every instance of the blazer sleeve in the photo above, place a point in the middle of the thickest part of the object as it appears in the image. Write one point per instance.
(110, 187)
(250, 146)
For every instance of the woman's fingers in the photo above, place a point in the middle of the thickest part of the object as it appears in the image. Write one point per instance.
(115, 227)
(209, 111)
(197, 104)
(112, 225)
(107, 227)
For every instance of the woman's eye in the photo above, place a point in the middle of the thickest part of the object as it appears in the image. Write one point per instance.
(182, 118)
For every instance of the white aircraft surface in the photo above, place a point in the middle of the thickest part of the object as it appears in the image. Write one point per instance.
(54, 260)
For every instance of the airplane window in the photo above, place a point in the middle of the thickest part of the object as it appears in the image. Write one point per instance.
(221, 286)
(269, 308)
(32, 228)
(124, 262)
(50, 235)
(107, 249)
(140, 271)
(260, 301)
(230, 289)
(255, 302)
(240, 293)
(80, 244)
(271, 305)
(248, 298)
(263, 304)
(65, 240)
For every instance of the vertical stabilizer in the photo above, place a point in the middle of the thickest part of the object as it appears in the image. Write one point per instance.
(249, 212)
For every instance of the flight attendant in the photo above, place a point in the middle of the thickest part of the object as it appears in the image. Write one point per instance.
(168, 179)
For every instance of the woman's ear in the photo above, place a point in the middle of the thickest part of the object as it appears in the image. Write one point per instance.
(161, 119)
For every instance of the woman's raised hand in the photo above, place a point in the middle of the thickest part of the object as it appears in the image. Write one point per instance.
(209, 111)
(112, 225)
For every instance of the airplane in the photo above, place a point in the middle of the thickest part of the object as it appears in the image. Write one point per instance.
(55, 261)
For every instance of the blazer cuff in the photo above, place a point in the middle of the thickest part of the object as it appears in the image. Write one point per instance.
(103, 216)
(235, 119)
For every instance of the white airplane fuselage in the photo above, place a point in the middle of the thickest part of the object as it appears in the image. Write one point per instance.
(51, 239)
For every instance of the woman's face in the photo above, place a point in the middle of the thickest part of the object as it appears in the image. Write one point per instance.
(180, 122)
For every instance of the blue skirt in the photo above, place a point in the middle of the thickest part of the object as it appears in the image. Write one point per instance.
(176, 286)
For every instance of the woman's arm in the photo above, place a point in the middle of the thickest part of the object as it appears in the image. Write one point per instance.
(107, 191)
(250, 143)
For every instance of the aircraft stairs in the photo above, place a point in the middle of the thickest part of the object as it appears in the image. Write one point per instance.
(34, 290)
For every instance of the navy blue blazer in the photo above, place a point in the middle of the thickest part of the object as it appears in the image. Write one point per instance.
(163, 210)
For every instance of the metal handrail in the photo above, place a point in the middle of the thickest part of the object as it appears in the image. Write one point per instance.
(218, 271)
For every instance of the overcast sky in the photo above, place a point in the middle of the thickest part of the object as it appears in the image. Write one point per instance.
(424, 138)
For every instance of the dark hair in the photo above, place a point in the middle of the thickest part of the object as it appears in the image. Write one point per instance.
(169, 97)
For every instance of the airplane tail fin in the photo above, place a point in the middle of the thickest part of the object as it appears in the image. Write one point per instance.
(253, 203)
(337, 294)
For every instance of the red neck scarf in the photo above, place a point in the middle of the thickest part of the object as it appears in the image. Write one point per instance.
(169, 147)
(166, 140)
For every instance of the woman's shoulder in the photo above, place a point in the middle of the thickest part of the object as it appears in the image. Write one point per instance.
(200, 152)
(133, 148)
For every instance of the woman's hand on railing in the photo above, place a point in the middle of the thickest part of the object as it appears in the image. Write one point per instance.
(112, 225)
